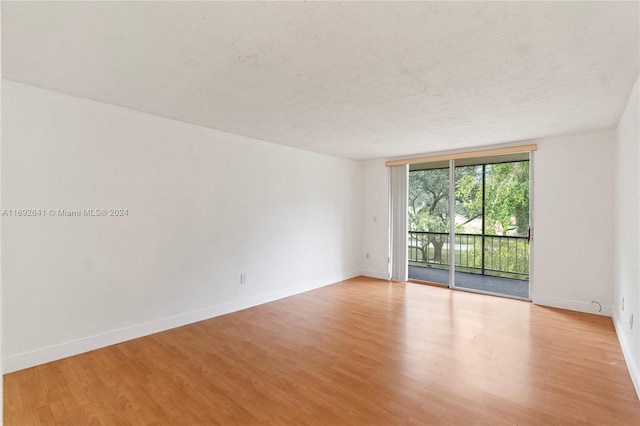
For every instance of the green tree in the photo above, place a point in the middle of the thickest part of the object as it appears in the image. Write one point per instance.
(429, 200)
(469, 192)
(506, 199)
(429, 206)
(508, 196)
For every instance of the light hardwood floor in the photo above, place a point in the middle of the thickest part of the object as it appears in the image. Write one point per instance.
(362, 351)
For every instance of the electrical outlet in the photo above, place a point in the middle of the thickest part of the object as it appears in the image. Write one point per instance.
(243, 278)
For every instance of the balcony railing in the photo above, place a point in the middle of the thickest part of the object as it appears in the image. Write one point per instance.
(497, 255)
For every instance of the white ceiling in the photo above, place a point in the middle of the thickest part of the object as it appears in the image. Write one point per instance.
(353, 79)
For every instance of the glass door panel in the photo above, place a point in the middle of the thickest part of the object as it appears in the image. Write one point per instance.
(469, 222)
(428, 221)
(491, 226)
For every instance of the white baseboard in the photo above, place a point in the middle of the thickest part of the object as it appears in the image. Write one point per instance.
(76, 347)
(375, 274)
(573, 305)
(632, 366)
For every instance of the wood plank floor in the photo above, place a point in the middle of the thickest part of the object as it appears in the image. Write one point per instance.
(362, 351)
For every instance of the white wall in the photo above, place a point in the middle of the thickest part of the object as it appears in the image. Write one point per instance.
(573, 247)
(1, 286)
(627, 231)
(375, 229)
(204, 206)
(573, 221)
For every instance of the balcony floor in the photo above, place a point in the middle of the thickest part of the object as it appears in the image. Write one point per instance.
(499, 285)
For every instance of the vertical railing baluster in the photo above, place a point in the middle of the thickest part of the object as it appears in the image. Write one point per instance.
(515, 257)
(473, 253)
(499, 254)
(493, 250)
(508, 253)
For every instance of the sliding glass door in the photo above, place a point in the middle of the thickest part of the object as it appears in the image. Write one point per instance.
(474, 235)
(492, 212)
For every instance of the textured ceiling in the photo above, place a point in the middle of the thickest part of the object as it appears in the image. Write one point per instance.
(353, 79)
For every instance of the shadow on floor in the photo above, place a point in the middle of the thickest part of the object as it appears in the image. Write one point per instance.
(504, 286)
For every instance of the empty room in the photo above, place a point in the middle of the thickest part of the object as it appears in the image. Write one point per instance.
(337, 213)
